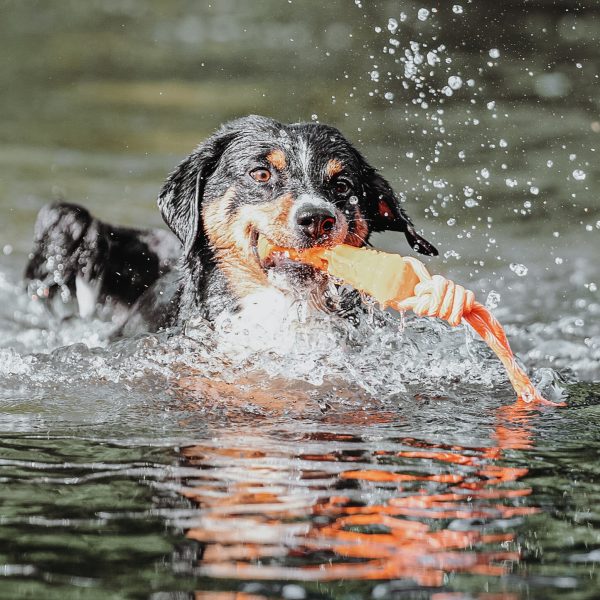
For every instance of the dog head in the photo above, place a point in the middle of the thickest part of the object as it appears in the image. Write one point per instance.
(299, 185)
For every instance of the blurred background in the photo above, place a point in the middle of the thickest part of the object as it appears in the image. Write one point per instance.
(484, 115)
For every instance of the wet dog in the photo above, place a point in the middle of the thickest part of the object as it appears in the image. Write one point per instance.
(299, 185)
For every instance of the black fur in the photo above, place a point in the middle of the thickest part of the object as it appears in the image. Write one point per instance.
(121, 262)
(379, 190)
(181, 195)
(136, 267)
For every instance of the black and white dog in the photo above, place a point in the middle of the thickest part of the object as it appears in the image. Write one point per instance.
(299, 185)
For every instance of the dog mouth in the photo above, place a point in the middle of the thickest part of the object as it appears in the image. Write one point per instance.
(271, 257)
(267, 260)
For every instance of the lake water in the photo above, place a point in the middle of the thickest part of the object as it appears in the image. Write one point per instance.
(390, 464)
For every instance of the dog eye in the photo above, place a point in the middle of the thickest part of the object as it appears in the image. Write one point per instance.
(342, 187)
(260, 174)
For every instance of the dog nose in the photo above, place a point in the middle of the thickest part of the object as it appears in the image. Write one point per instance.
(316, 222)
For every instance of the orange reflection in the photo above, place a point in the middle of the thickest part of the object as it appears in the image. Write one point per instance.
(412, 509)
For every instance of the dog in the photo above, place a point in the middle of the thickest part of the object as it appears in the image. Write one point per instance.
(300, 185)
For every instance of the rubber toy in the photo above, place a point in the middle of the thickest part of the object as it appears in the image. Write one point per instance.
(404, 283)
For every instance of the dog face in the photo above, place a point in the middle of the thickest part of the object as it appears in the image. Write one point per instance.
(299, 185)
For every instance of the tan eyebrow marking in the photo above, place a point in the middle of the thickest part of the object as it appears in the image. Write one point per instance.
(277, 159)
(334, 166)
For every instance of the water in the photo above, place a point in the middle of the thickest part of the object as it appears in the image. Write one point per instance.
(387, 462)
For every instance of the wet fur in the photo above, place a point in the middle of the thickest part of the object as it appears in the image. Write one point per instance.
(214, 207)
(74, 251)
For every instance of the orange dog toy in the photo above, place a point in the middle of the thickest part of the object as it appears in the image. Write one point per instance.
(404, 283)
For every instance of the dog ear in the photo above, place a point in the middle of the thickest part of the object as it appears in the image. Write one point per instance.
(180, 198)
(386, 213)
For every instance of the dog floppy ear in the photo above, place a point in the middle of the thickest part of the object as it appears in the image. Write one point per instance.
(181, 195)
(386, 214)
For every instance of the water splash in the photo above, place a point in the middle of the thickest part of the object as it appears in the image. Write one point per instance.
(366, 353)
(518, 269)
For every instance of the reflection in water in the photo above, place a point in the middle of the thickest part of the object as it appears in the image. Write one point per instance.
(386, 508)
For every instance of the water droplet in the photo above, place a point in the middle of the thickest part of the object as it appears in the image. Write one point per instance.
(451, 253)
(314, 117)
(534, 190)
(558, 260)
(353, 200)
(422, 14)
(374, 75)
(491, 105)
(388, 96)
(392, 25)
(492, 300)
(579, 175)
(485, 173)
(511, 183)
(65, 293)
(455, 82)
(503, 143)
(451, 222)
(471, 202)
(432, 59)
(457, 9)
(549, 163)
(518, 269)
(494, 53)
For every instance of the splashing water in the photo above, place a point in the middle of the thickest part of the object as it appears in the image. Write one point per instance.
(370, 355)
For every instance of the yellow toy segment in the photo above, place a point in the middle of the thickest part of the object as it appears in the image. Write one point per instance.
(386, 277)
